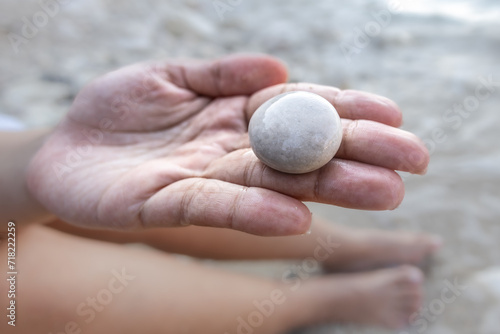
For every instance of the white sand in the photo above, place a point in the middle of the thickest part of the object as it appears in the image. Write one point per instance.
(427, 62)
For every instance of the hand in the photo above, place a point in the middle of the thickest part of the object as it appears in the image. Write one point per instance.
(166, 144)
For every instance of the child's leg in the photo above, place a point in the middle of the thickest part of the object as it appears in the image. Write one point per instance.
(66, 283)
(109, 288)
(349, 249)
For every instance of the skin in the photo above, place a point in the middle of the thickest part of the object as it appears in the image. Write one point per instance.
(359, 249)
(165, 294)
(165, 145)
(16, 201)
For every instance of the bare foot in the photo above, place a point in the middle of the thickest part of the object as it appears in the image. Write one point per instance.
(385, 297)
(364, 249)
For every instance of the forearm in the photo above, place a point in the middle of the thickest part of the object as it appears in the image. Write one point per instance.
(16, 203)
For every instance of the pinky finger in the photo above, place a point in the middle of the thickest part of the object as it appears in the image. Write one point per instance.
(209, 202)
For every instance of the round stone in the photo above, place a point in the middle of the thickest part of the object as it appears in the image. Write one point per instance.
(295, 132)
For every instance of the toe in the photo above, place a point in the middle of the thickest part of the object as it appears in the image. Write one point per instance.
(409, 274)
(419, 246)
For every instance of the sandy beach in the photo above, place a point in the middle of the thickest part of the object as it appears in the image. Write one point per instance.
(439, 62)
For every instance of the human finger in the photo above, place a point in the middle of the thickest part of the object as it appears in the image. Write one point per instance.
(240, 74)
(215, 203)
(349, 104)
(343, 183)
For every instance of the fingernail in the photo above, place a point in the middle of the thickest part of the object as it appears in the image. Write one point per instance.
(309, 231)
(419, 160)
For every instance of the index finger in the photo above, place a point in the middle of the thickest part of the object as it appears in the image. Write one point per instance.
(350, 104)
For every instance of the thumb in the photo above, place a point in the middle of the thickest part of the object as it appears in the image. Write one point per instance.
(240, 74)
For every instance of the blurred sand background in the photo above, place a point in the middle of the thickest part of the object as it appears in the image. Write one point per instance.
(431, 57)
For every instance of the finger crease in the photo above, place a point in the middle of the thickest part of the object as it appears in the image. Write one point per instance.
(216, 70)
(317, 184)
(235, 208)
(348, 134)
(187, 199)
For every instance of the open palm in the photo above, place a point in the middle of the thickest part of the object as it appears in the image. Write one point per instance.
(166, 144)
